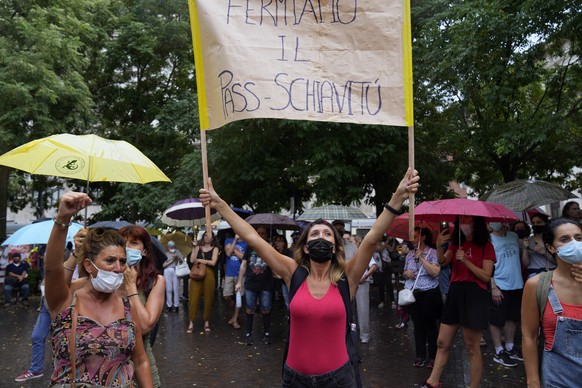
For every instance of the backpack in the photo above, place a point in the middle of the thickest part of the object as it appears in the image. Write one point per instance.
(297, 280)
(542, 290)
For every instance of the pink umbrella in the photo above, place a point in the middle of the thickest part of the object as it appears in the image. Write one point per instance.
(449, 209)
(399, 227)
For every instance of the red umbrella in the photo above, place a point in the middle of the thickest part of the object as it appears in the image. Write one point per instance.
(399, 227)
(449, 209)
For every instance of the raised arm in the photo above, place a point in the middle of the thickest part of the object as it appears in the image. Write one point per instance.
(355, 268)
(58, 294)
(281, 264)
(151, 311)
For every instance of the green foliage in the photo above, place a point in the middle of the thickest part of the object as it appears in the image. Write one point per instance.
(499, 77)
(497, 97)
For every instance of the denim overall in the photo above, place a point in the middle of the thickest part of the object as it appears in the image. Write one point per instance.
(562, 365)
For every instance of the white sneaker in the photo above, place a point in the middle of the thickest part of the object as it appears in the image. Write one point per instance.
(381, 305)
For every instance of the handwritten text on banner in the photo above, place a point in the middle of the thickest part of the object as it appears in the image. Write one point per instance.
(326, 60)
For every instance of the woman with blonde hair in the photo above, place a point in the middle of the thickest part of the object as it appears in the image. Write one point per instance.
(317, 341)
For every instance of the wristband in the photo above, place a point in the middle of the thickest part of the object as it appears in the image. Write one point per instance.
(134, 294)
(62, 225)
(392, 210)
(69, 269)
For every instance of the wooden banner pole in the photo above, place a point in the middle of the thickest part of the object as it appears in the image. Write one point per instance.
(205, 176)
(411, 195)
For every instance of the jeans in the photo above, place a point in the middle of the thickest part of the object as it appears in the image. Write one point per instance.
(24, 290)
(172, 287)
(363, 309)
(341, 377)
(264, 303)
(39, 334)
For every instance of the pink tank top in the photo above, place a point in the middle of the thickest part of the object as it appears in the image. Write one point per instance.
(317, 339)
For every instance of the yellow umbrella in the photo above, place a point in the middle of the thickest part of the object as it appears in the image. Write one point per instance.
(183, 242)
(87, 157)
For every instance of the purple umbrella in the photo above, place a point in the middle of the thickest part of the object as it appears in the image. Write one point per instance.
(187, 212)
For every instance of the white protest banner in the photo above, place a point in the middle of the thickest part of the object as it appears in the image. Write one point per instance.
(324, 60)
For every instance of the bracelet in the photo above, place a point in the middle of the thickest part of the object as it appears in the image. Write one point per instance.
(392, 210)
(69, 269)
(59, 223)
(134, 294)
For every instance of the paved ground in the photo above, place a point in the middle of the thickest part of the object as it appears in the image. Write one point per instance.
(221, 359)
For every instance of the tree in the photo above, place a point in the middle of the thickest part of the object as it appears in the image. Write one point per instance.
(145, 93)
(42, 89)
(502, 82)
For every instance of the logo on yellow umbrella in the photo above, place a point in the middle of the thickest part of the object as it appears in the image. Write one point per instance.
(70, 164)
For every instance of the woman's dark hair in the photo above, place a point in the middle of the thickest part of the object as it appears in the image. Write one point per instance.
(426, 232)
(148, 273)
(567, 207)
(480, 232)
(526, 227)
(542, 216)
(549, 233)
(213, 242)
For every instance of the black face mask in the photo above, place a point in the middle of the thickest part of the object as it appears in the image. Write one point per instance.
(320, 250)
(521, 233)
(537, 229)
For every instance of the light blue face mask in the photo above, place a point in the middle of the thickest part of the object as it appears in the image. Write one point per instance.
(495, 226)
(571, 252)
(133, 256)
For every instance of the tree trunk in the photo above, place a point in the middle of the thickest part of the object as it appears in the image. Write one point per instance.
(4, 173)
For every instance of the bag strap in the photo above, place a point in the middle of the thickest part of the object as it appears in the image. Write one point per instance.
(542, 290)
(417, 276)
(297, 280)
(73, 340)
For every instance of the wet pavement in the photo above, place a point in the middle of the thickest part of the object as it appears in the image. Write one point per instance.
(221, 358)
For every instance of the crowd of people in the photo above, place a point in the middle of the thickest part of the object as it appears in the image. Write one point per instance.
(102, 301)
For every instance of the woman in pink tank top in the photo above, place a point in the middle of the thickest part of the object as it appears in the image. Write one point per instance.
(317, 342)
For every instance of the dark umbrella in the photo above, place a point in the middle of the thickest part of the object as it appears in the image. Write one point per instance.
(242, 213)
(160, 253)
(522, 195)
(272, 221)
(187, 212)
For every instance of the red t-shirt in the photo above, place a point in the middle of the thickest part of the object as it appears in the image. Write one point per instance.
(475, 254)
(317, 336)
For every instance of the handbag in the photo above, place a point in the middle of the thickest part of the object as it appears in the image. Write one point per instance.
(406, 296)
(182, 269)
(198, 272)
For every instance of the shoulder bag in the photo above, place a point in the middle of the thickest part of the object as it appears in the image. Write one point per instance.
(198, 271)
(406, 296)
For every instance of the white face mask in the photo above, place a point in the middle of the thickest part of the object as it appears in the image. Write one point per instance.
(106, 281)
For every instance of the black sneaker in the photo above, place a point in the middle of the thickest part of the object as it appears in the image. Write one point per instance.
(503, 358)
(267, 339)
(249, 339)
(176, 309)
(515, 354)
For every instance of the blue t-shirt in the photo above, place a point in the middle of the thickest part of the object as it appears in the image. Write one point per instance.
(507, 274)
(233, 262)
